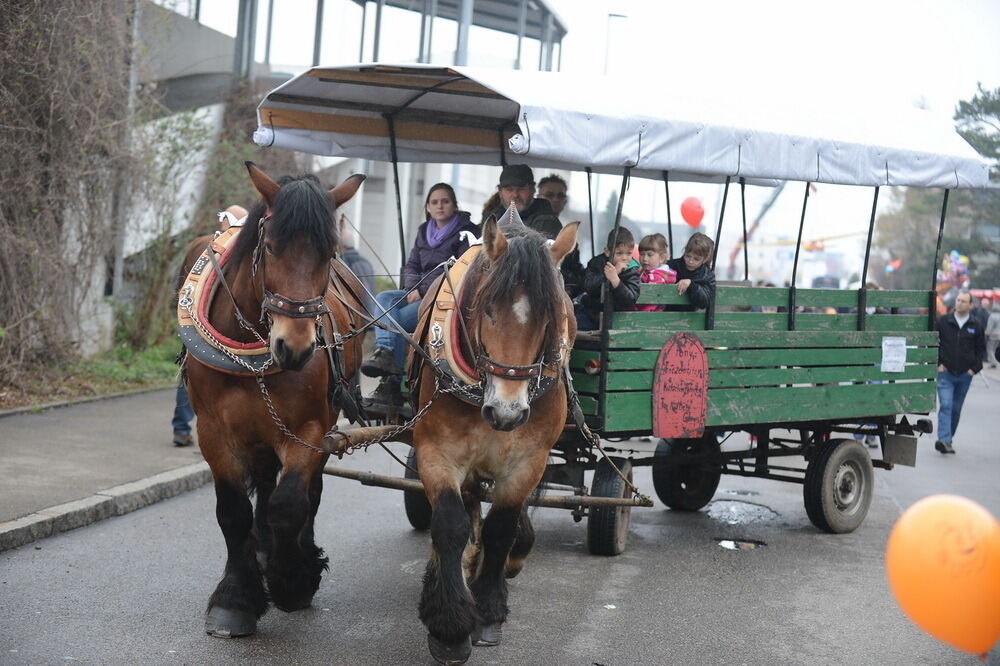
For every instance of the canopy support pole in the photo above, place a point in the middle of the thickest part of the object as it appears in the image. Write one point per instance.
(503, 147)
(863, 291)
(932, 301)
(670, 224)
(795, 264)
(607, 299)
(710, 310)
(395, 178)
(743, 205)
(718, 229)
(590, 205)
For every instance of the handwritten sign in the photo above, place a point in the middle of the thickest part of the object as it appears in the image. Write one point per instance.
(680, 388)
(893, 354)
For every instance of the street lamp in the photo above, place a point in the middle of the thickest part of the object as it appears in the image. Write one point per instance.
(607, 38)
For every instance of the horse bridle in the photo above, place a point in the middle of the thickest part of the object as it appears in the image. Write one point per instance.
(282, 305)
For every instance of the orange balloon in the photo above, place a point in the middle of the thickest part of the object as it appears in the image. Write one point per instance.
(943, 563)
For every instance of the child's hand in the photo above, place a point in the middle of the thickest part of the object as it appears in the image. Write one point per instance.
(682, 286)
(611, 272)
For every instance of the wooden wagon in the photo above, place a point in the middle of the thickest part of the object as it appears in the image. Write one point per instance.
(799, 381)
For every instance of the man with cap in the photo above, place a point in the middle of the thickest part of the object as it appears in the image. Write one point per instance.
(517, 186)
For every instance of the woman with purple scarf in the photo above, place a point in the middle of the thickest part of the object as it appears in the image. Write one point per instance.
(438, 238)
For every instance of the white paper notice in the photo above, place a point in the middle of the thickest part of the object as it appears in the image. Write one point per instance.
(893, 354)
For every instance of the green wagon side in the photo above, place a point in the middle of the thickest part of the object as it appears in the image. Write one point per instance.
(801, 385)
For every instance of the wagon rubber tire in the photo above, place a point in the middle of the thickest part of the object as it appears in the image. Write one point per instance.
(685, 487)
(838, 488)
(607, 526)
(418, 509)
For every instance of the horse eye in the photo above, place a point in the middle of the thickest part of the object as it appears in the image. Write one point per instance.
(268, 249)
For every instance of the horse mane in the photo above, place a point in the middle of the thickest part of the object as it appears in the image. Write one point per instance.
(302, 208)
(526, 265)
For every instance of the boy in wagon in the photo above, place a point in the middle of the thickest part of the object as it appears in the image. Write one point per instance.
(619, 270)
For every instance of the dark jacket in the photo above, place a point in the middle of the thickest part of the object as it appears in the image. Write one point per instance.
(424, 260)
(960, 350)
(702, 289)
(624, 295)
(539, 216)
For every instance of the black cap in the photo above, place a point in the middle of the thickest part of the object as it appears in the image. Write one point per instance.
(516, 174)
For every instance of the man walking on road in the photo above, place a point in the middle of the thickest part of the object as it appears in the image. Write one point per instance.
(960, 353)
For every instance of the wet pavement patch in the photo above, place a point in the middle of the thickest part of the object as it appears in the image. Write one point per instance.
(740, 544)
(735, 512)
(739, 493)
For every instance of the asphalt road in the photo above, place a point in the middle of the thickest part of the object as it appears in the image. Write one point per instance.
(132, 589)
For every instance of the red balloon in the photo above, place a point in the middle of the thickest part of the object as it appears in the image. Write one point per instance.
(692, 211)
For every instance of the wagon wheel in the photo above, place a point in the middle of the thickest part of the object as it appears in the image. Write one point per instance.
(607, 526)
(838, 486)
(686, 487)
(418, 509)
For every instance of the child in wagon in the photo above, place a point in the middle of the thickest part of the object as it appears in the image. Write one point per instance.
(616, 267)
(694, 275)
(654, 267)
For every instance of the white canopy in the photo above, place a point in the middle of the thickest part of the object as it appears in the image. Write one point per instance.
(468, 115)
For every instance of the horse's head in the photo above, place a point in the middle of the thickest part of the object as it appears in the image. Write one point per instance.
(519, 317)
(296, 239)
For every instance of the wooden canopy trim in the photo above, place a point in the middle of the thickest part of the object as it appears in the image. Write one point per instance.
(408, 81)
(407, 114)
(365, 126)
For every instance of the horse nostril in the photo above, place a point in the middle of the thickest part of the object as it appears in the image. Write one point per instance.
(488, 413)
(280, 348)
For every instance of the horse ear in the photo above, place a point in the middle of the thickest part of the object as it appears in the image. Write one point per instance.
(564, 242)
(267, 188)
(494, 242)
(343, 192)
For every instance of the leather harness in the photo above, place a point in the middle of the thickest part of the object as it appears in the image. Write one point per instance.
(441, 329)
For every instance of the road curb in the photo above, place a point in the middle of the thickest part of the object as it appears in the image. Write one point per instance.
(115, 501)
(78, 401)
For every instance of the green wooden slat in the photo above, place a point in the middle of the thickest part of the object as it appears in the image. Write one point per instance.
(730, 295)
(826, 298)
(659, 321)
(887, 322)
(886, 298)
(631, 339)
(659, 294)
(632, 360)
(642, 380)
(751, 358)
(772, 376)
(758, 339)
(578, 357)
(627, 411)
(588, 405)
(631, 411)
(768, 405)
(585, 383)
(633, 380)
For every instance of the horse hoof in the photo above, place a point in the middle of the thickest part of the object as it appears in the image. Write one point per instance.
(449, 653)
(228, 623)
(488, 635)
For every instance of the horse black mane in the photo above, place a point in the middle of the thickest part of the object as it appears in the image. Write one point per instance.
(302, 208)
(526, 265)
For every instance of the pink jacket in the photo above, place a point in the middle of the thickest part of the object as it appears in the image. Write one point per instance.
(660, 275)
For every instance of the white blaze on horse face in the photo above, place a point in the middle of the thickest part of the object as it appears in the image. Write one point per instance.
(522, 309)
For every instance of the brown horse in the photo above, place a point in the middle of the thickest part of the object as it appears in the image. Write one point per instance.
(520, 326)
(280, 273)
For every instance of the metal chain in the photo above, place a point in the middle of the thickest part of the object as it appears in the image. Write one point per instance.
(596, 441)
(223, 348)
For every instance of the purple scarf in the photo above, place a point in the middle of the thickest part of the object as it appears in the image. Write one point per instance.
(436, 235)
